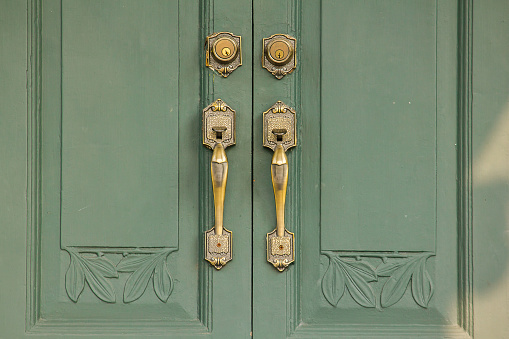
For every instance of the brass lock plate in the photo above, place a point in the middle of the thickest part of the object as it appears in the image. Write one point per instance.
(279, 54)
(218, 248)
(223, 52)
(218, 124)
(279, 127)
(280, 250)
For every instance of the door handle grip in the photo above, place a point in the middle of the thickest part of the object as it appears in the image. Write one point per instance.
(279, 172)
(219, 173)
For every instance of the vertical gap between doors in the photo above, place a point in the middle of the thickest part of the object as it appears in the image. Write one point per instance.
(252, 159)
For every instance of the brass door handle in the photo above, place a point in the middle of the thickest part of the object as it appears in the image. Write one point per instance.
(219, 174)
(279, 134)
(218, 133)
(279, 173)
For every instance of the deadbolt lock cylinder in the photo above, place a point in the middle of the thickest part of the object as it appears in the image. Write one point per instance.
(223, 52)
(279, 54)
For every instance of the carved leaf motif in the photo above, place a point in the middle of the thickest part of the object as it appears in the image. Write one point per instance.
(97, 282)
(74, 279)
(358, 274)
(163, 284)
(102, 266)
(360, 269)
(333, 283)
(388, 268)
(137, 282)
(143, 268)
(355, 275)
(399, 277)
(422, 285)
(95, 271)
(394, 288)
(132, 262)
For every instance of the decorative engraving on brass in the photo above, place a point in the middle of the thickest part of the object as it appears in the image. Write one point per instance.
(223, 53)
(279, 134)
(279, 117)
(218, 133)
(279, 54)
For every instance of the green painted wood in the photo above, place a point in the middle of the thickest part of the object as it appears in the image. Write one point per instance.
(488, 111)
(139, 97)
(13, 166)
(231, 303)
(275, 299)
(378, 163)
(120, 107)
(350, 280)
(341, 271)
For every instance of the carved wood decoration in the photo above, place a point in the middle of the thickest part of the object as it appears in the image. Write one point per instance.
(359, 275)
(96, 269)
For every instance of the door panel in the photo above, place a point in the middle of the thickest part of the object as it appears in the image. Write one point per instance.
(378, 125)
(375, 224)
(124, 195)
(118, 123)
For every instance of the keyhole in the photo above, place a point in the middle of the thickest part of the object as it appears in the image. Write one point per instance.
(219, 131)
(226, 51)
(279, 132)
(281, 247)
(279, 54)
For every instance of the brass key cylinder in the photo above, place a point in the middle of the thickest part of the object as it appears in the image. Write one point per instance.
(225, 49)
(223, 52)
(279, 54)
(279, 51)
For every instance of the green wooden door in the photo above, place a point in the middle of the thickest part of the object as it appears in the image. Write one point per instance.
(397, 193)
(118, 191)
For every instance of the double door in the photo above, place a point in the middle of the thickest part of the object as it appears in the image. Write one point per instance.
(119, 193)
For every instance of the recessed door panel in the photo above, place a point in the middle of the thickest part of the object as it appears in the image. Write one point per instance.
(378, 125)
(120, 115)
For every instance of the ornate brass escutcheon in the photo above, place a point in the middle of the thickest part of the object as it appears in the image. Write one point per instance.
(279, 54)
(279, 134)
(223, 53)
(218, 133)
